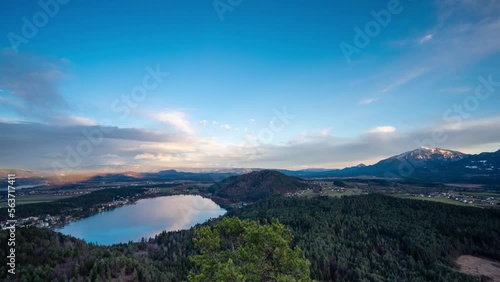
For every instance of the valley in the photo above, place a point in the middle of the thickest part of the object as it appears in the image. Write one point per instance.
(345, 226)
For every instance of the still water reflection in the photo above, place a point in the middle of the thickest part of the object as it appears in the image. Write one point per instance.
(145, 218)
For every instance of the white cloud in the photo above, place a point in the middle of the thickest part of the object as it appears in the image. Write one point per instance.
(203, 122)
(226, 126)
(366, 101)
(251, 121)
(176, 119)
(109, 156)
(394, 84)
(42, 144)
(404, 79)
(325, 132)
(425, 38)
(74, 120)
(382, 129)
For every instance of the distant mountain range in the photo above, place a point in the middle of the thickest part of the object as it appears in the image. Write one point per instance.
(431, 164)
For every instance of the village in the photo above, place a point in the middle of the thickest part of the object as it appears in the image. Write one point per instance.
(57, 221)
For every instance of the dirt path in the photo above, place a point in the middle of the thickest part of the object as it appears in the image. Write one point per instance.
(479, 266)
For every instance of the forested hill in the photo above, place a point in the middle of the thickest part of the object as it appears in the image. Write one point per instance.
(358, 238)
(257, 185)
(381, 238)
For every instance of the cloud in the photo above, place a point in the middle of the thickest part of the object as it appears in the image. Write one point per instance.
(251, 121)
(177, 119)
(36, 146)
(109, 156)
(392, 85)
(226, 126)
(453, 10)
(32, 85)
(382, 129)
(203, 122)
(368, 148)
(425, 38)
(367, 101)
(464, 34)
(73, 120)
(404, 79)
(29, 145)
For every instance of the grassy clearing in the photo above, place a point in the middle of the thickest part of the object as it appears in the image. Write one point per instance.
(330, 193)
(437, 199)
(166, 190)
(483, 194)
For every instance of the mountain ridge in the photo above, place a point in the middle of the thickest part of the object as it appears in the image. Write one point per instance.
(434, 164)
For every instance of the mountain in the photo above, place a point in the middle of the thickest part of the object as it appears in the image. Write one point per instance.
(437, 164)
(256, 185)
(419, 162)
(425, 154)
(432, 164)
(481, 167)
(164, 175)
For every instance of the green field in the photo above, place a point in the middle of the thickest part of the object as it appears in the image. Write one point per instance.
(330, 193)
(483, 194)
(166, 190)
(31, 199)
(436, 199)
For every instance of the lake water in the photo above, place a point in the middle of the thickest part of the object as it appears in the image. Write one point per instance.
(145, 218)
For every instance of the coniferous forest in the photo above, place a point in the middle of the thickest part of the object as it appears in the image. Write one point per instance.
(359, 238)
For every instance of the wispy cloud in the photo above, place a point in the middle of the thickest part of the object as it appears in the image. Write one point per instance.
(32, 83)
(226, 126)
(425, 38)
(73, 120)
(367, 101)
(404, 79)
(382, 129)
(175, 118)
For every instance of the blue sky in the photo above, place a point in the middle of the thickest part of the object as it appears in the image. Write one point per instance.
(233, 70)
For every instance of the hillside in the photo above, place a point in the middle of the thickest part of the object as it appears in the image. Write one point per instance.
(256, 185)
(380, 238)
(359, 238)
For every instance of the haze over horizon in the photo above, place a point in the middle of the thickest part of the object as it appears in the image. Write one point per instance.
(118, 85)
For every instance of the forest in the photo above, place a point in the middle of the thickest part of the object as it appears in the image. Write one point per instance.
(359, 238)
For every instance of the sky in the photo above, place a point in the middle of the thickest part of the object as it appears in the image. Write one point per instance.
(146, 85)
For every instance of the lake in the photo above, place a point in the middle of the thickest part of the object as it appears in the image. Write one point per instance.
(145, 218)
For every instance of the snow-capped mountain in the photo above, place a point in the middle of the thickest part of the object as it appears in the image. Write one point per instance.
(433, 164)
(430, 154)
